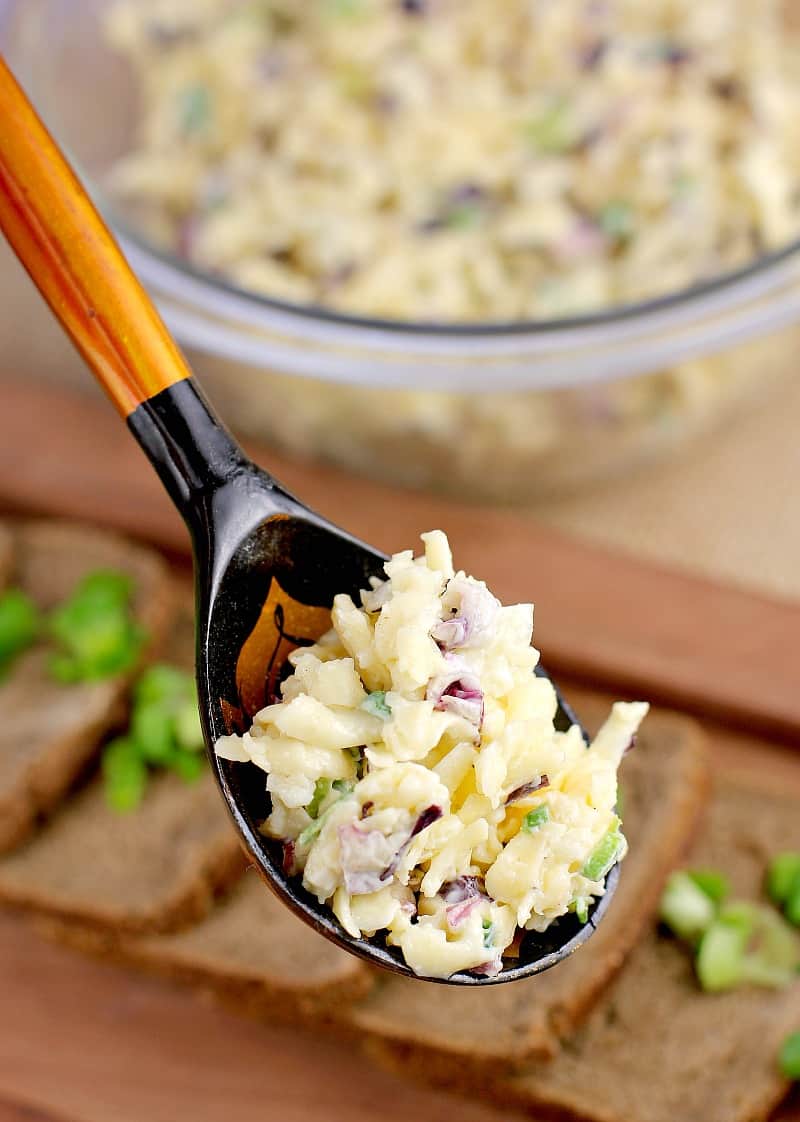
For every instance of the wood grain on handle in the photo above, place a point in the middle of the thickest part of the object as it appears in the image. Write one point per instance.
(75, 262)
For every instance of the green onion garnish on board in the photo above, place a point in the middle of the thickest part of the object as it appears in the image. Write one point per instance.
(713, 884)
(686, 908)
(783, 877)
(789, 1058)
(19, 625)
(94, 630)
(720, 956)
(164, 733)
(737, 943)
(124, 775)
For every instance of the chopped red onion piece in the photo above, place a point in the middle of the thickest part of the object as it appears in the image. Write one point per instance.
(489, 969)
(458, 913)
(460, 896)
(288, 863)
(426, 818)
(585, 239)
(474, 604)
(526, 789)
(457, 691)
(451, 632)
(460, 889)
(365, 856)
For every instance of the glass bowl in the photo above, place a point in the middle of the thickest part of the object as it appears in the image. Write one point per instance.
(494, 412)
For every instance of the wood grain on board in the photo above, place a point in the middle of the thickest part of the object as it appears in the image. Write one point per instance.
(602, 617)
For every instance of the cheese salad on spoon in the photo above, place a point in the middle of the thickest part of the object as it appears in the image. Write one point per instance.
(418, 782)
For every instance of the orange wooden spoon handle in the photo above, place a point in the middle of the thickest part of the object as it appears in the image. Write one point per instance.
(75, 262)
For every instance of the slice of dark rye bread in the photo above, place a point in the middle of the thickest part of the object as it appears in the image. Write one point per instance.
(658, 1049)
(49, 731)
(250, 952)
(664, 784)
(153, 869)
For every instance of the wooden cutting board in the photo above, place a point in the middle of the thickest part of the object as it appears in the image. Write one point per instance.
(82, 1041)
(87, 1042)
(603, 618)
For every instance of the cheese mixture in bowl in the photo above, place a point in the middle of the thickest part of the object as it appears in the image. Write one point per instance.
(418, 783)
(448, 160)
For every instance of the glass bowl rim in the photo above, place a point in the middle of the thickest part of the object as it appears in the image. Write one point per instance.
(673, 300)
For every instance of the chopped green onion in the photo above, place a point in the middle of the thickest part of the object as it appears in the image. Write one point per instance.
(19, 624)
(306, 836)
(581, 906)
(714, 884)
(770, 950)
(194, 108)
(164, 683)
(188, 730)
(101, 589)
(616, 220)
(720, 957)
(321, 791)
(152, 731)
(535, 818)
(345, 9)
(685, 908)
(344, 787)
(620, 808)
(604, 855)
(377, 705)
(488, 934)
(552, 131)
(124, 775)
(683, 183)
(789, 1057)
(783, 877)
(187, 764)
(464, 216)
(792, 909)
(94, 630)
(164, 732)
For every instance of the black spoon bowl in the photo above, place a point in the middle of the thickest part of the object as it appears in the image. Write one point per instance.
(266, 567)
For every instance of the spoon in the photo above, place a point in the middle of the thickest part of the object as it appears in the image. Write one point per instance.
(266, 567)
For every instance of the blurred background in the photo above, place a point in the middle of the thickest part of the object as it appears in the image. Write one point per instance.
(545, 258)
(526, 269)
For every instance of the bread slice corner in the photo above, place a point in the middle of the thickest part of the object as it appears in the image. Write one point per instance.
(657, 1048)
(463, 1034)
(50, 731)
(250, 952)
